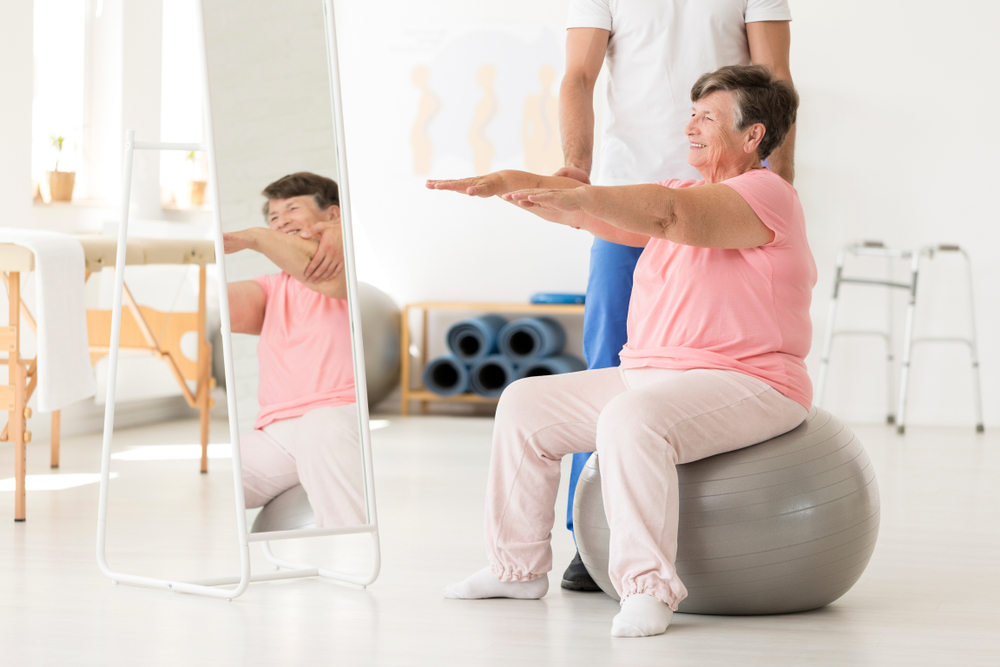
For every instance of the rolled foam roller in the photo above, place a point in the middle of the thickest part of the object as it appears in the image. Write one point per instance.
(446, 376)
(531, 338)
(491, 376)
(562, 363)
(475, 339)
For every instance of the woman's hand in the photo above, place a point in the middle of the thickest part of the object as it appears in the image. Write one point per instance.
(236, 241)
(328, 261)
(476, 186)
(554, 201)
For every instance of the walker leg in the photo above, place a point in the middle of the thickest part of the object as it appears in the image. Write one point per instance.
(907, 344)
(824, 362)
(890, 360)
(977, 399)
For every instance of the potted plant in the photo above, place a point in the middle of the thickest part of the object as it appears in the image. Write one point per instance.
(197, 183)
(60, 182)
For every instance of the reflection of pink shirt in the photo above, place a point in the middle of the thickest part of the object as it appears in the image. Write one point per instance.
(304, 351)
(741, 310)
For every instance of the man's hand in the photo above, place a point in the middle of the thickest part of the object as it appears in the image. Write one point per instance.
(575, 173)
(554, 201)
(236, 241)
(328, 261)
(476, 186)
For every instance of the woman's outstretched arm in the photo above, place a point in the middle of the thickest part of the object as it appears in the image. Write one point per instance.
(502, 183)
(707, 216)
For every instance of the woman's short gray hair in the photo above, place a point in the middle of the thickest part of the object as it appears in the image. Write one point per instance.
(759, 97)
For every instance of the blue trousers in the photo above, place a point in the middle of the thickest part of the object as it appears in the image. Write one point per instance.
(609, 287)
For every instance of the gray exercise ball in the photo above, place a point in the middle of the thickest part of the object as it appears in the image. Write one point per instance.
(783, 526)
(289, 510)
(380, 330)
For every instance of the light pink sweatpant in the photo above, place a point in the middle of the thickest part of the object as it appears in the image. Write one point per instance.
(320, 450)
(642, 423)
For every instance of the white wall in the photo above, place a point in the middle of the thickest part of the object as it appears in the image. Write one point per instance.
(896, 141)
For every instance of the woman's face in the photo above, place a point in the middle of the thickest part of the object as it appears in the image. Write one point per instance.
(294, 214)
(713, 142)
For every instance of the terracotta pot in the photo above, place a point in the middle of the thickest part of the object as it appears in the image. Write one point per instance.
(198, 192)
(61, 184)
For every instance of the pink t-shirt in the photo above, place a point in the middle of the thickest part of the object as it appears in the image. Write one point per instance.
(304, 351)
(742, 310)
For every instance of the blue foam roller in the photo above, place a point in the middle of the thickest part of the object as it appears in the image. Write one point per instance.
(562, 363)
(491, 376)
(545, 297)
(531, 338)
(446, 376)
(475, 339)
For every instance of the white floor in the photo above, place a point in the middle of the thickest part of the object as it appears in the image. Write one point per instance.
(931, 595)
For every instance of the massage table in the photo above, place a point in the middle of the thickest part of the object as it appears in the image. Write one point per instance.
(137, 333)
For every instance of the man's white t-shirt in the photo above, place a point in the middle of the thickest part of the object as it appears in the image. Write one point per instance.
(656, 51)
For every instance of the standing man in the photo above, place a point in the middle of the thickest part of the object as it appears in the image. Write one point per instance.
(655, 51)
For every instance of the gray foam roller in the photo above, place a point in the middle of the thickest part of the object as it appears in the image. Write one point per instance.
(289, 510)
(783, 526)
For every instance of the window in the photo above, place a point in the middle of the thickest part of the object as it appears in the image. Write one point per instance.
(57, 107)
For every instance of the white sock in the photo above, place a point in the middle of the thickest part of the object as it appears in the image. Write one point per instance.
(484, 584)
(641, 616)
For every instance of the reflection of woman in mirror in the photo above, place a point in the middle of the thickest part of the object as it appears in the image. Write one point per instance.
(718, 331)
(307, 428)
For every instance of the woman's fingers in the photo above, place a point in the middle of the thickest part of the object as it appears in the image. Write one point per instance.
(478, 186)
(547, 199)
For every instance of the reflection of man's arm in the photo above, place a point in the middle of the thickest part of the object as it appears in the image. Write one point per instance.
(290, 252)
(246, 307)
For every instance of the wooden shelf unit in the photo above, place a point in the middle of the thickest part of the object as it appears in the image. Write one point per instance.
(421, 394)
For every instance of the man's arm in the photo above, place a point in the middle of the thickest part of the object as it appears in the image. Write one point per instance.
(585, 50)
(290, 252)
(246, 307)
(769, 45)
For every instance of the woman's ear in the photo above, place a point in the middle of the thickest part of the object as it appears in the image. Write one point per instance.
(333, 212)
(754, 136)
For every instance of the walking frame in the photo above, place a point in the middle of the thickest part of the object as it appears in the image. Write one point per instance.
(240, 583)
(877, 249)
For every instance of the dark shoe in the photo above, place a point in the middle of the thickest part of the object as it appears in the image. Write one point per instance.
(576, 577)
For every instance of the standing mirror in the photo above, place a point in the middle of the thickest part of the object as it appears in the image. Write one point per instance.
(288, 296)
(294, 365)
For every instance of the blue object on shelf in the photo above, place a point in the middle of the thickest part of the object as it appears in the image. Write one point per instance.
(474, 339)
(531, 338)
(562, 363)
(446, 376)
(491, 375)
(558, 298)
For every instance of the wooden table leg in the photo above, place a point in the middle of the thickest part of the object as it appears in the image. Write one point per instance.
(425, 315)
(55, 439)
(17, 380)
(404, 357)
(204, 369)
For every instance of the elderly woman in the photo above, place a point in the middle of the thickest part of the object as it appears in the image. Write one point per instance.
(718, 329)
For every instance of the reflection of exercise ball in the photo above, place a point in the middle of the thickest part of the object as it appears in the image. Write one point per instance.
(380, 330)
(289, 510)
(783, 526)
